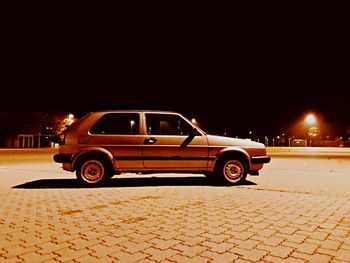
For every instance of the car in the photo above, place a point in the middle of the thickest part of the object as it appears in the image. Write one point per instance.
(105, 143)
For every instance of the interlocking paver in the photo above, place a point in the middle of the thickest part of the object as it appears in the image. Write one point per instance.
(193, 232)
(101, 251)
(279, 251)
(295, 238)
(129, 258)
(80, 243)
(250, 223)
(164, 244)
(315, 258)
(219, 258)
(160, 255)
(36, 257)
(132, 247)
(197, 259)
(87, 259)
(69, 254)
(254, 255)
(241, 236)
(191, 241)
(190, 251)
(10, 260)
(111, 241)
(288, 260)
(50, 247)
(331, 244)
(247, 244)
(218, 247)
(340, 254)
(14, 251)
(270, 241)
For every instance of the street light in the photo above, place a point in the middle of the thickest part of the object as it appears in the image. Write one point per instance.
(310, 119)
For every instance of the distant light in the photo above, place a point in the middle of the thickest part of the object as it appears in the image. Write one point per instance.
(70, 119)
(194, 121)
(250, 132)
(132, 122)
(310, 119)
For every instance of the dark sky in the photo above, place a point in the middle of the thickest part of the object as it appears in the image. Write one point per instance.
(259, 66)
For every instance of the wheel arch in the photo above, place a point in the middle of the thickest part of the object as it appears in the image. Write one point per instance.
(237, 153)
(93, 152)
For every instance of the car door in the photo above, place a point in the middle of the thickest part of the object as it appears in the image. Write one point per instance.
(119, 133)
(170, 144)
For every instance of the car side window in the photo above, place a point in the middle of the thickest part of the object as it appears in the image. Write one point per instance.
(166, 124)
(117, 123)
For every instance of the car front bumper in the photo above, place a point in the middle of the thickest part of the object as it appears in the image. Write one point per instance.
(63, 158)
(260, 159)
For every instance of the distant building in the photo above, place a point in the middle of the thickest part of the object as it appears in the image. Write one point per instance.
(20, 129)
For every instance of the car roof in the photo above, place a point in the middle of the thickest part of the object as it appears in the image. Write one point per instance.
(138, 111)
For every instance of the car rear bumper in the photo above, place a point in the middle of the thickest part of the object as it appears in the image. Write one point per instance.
(63, 158)
(260, 159)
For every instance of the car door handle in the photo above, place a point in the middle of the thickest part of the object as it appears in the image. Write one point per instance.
(150, 140)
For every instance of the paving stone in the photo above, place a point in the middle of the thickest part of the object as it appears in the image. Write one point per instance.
(14, 251)
(288, 260)
(163, 244)
(254, 255)
(279, 251)
(101, 251)
(219, 257)
(218, 247)
(69, 254)
(129, 258)
(190, 251)
(132, 247)
(197, 259)
(315, 258)
(160, 255)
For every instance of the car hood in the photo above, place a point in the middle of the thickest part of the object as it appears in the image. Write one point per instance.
(215, 140)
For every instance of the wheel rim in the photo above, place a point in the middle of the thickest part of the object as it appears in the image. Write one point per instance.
(233, 171)
(92, 171)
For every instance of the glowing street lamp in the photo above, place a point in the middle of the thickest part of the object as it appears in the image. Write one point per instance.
(310, 119)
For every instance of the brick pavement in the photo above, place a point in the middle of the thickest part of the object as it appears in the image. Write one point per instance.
(171, 223)
(175, 224)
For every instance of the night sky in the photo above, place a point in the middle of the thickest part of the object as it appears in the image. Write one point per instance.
(258, 66)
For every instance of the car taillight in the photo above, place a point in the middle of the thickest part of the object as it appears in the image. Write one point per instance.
(61, 138)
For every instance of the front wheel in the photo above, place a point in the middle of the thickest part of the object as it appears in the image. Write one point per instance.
(232, 171)
(93, 172)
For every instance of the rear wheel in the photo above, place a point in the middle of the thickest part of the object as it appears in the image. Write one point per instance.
(93, 171)
(231, 171)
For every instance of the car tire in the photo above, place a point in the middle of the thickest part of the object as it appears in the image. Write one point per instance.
(231, 171)
(93, 171)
